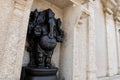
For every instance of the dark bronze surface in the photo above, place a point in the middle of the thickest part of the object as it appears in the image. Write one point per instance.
(38, 74)
(42, 36)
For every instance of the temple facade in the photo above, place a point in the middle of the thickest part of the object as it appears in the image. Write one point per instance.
(90, 50)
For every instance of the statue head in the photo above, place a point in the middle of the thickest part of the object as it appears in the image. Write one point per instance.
(40, 18)
(50, 13)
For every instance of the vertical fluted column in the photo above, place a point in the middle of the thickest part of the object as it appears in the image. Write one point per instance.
(109, 7)
(78, 44)
(117, 29)
(91, 69)
(111, 45)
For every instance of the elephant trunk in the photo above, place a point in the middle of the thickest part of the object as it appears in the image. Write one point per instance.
(52, 25)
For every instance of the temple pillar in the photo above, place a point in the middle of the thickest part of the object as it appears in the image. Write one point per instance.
(15, 35)
(117, 29)
(77, 60)
(91, 57)
(111, 46)
(112, 59)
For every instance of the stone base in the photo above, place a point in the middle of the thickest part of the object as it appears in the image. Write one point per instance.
(29, 73)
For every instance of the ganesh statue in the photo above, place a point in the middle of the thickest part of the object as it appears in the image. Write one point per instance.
(44, 31)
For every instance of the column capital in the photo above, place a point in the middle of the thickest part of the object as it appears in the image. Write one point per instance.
(112, 7)
(78, 2)
(85, 13)
(117, 13)
(109, 6)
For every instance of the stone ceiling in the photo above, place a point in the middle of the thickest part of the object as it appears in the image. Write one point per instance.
(61, 3)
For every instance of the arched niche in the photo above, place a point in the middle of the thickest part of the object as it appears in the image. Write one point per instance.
(63, 56)
(41, 5)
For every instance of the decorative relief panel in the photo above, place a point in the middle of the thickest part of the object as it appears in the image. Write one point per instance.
(19, 6)
(14, 43)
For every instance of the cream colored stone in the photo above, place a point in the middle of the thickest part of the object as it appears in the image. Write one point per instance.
(11, 62)
(111, 45)
(61, 3)
(76, 56)
(66, 56)
(76, 45)
(78, 2)
(80, 51)
(118, 43)
(101, 49)
(91, 68)
(42, 5)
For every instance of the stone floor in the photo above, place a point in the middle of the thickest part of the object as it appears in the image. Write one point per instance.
(115, 77)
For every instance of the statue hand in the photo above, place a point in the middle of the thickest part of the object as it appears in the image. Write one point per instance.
(59, 39)
(37, 30)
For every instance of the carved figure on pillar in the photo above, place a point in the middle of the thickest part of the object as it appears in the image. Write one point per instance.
(43, 34)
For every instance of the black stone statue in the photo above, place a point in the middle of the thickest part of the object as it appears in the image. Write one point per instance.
(43, 34)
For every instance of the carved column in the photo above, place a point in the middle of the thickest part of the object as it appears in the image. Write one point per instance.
(80, 45)
(91, 61)
(11, 62)
(117, 28)
(67, 60)
(111, 45)
(79, 42)
(112, 62)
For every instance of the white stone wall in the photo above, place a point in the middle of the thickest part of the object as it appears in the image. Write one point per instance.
(13, 18)
(101, 44)
(111, 45)
(107, 51)
(80, 50)
(118, 43)
(91, 39)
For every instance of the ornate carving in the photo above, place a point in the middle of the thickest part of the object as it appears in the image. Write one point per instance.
(112, 7)
(43, 34)
(19, 6)
(109, 6)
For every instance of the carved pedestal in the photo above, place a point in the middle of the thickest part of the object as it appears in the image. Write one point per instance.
(29, 73)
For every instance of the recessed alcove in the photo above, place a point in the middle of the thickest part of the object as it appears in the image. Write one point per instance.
(58, 7)
(42, 5)
(70, 13)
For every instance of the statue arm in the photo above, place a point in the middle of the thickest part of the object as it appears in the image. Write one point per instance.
(59, 31)
(60, 36)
